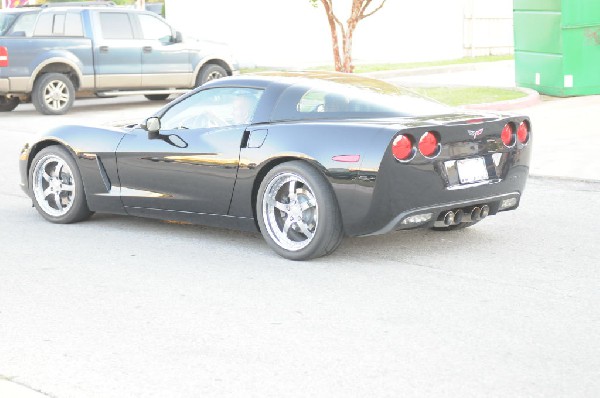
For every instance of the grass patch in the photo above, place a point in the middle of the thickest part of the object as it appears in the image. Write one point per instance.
(455, 96)
(258, 69)
(363, 68)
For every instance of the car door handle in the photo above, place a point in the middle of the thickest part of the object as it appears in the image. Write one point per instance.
(147, 49)
(103, 49)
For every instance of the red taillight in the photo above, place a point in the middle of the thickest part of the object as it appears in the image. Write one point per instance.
(429, 144)
(508, 135)
(402, 147)
(523, 132)
(3, 56)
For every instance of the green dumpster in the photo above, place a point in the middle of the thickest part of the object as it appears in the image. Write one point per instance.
(557, 46)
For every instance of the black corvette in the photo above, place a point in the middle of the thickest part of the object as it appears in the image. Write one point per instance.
(305, 158)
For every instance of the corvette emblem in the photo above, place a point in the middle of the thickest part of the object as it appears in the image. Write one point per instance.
(475, 133)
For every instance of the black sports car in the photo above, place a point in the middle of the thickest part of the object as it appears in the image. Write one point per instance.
(305, 158)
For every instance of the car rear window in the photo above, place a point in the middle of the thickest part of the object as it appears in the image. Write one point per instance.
(362, 98)
(17, 24)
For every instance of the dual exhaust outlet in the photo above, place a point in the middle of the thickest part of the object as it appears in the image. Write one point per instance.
(459, 216)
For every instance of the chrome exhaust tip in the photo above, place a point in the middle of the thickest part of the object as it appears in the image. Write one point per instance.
(458, 216)
(485, 211)
(475, 214)
(449, 218)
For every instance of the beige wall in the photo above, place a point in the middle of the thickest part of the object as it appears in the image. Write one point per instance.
(292, 33)
(488, 27)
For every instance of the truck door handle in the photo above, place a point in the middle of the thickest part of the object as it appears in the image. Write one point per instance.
(147, 49)
(103, 49)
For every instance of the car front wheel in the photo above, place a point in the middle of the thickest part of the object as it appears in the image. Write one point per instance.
(57, 187)
(298, 213)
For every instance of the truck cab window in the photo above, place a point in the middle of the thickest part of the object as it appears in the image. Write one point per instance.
(155, 29)
(116, 25)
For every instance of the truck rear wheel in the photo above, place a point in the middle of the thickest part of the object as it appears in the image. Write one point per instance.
(7, 104)
(53, 94)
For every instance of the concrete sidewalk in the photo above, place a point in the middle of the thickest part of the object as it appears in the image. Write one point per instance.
(565, 133)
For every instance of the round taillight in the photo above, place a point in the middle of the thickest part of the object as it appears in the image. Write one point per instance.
(429, 144)
(508, 135)
(402, 147)
(523, 132)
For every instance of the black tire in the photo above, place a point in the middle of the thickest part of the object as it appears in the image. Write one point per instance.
(456, 227)
(53, 94)
(157, 97)
(313, 229)
(48, 175)
(8, 104)
(210, 72)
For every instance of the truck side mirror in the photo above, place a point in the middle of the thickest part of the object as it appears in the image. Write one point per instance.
(178, 37)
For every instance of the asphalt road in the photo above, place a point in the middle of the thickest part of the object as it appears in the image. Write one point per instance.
(126, 307)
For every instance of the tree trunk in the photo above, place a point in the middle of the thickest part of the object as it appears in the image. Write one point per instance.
(343, 61)
(334, 36)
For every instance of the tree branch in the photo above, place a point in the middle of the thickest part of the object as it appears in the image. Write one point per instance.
(363, 15)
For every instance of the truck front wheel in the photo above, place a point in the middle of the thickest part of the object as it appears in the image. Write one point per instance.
(7, 104)
(53, 94)
(210, 72)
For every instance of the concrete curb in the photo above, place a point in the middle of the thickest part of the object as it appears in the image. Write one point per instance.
(11, 389)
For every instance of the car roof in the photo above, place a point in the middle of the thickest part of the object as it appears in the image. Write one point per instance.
(291, 78)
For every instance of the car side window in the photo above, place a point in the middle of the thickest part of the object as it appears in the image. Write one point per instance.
(116, 25)
(213, 108)
(155, 29)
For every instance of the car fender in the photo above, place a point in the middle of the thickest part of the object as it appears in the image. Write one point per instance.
(93, 149)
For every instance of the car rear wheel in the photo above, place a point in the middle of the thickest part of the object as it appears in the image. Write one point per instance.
(53, 94)
(157, 97)
(8, 104)
(298, 213)
(210, 72)
(57, 187)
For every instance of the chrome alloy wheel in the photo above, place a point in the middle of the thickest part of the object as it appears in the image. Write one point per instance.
(290, 211)
(214, 75)
(53, 185)
(56, 95)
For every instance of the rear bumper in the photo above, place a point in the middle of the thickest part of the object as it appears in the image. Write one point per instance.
(14, 85)
(427, 216)
(4, 86)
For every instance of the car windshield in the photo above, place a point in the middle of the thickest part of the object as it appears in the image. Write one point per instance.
(6, 21)
(351, 97)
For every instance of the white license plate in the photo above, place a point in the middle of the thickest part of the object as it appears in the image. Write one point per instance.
(471, 170)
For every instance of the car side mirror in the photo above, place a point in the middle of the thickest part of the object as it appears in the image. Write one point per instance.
(152, 125)
(178, 38)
